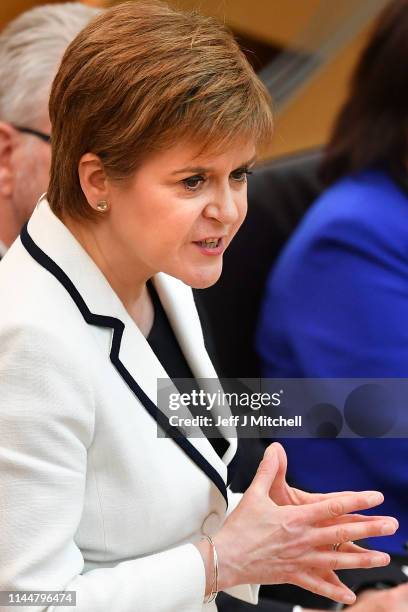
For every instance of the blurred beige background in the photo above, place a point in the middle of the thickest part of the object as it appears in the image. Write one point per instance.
(305, 121)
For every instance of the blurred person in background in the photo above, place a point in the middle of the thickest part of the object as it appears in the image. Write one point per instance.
(336, 303)
(31, 48)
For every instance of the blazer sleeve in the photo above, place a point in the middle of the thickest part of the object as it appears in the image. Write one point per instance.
(46, 424)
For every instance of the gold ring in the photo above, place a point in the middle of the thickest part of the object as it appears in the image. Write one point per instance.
(336, 546)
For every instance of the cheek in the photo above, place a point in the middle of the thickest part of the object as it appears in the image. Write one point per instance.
(242, 207)
(41, 170)
(47, 162)
(156, 226)
(45, 175)
(153, 218)
(177, 220)
(31, 181)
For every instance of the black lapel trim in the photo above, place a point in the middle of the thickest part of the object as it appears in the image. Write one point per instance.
(233, 466)
(118, 326)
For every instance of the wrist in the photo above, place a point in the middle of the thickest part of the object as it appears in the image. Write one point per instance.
(227, 569)
(204, 549)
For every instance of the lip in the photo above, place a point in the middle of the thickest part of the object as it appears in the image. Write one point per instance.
(214, 236)
(211, 251)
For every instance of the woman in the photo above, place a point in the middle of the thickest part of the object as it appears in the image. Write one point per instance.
(156, 117)
(353, 323)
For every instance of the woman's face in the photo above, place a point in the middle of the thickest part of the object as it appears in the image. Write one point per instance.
(180, 211)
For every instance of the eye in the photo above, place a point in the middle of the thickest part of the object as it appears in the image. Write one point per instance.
(240, 175)
(192, 183)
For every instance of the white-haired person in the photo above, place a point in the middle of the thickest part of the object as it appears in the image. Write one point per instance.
(156, 120)
(31, 48)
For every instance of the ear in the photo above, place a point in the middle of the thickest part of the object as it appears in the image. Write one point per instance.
(93, 179)
(7, 147)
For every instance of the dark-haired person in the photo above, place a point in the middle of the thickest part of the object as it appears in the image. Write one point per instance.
(336, 303)
(156, 118)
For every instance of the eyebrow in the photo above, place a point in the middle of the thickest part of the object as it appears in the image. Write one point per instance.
(203, 170)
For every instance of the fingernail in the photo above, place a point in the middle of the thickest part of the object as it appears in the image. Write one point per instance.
(380, 560)
(388, 528)
(375, 498)
(350, 598)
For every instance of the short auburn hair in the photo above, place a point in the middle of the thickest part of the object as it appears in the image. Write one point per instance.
(137, 78)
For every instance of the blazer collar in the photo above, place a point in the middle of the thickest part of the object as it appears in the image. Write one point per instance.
(53, 246)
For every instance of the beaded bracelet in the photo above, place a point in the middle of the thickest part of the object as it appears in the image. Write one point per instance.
(214, 587)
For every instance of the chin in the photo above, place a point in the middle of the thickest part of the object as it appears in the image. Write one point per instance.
(201, 279)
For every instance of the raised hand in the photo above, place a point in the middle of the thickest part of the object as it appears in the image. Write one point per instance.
(283, 494)
(263, 542)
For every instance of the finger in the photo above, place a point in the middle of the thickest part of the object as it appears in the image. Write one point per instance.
(283, 460)
(349, 532)
(266, 471)
(365, 517)
(280, 478)
(332, 508)
(312, 582)
(333, 578)
(358, 518)
(315, 497)
(336, 560)
(351, 547)
(329, 576)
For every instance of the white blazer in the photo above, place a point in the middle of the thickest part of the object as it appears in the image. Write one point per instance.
(91, 500)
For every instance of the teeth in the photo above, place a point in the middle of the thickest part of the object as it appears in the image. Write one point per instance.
(211, 243)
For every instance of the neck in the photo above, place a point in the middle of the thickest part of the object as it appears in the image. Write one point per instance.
(9, 223)
(126, 279)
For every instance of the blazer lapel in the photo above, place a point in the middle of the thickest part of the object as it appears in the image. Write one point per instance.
(178, 302)
(51, 244)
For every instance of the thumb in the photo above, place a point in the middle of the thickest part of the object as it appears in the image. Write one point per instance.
(280, 479)
(266, 472)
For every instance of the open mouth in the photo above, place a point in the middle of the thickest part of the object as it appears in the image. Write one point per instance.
(210, 243)
(211, 246)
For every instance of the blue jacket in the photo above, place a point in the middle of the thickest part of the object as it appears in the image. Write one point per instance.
(336, 305)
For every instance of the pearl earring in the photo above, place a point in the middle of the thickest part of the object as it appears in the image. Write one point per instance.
(102, 206)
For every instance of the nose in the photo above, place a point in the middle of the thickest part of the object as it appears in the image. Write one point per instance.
(226, 207)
